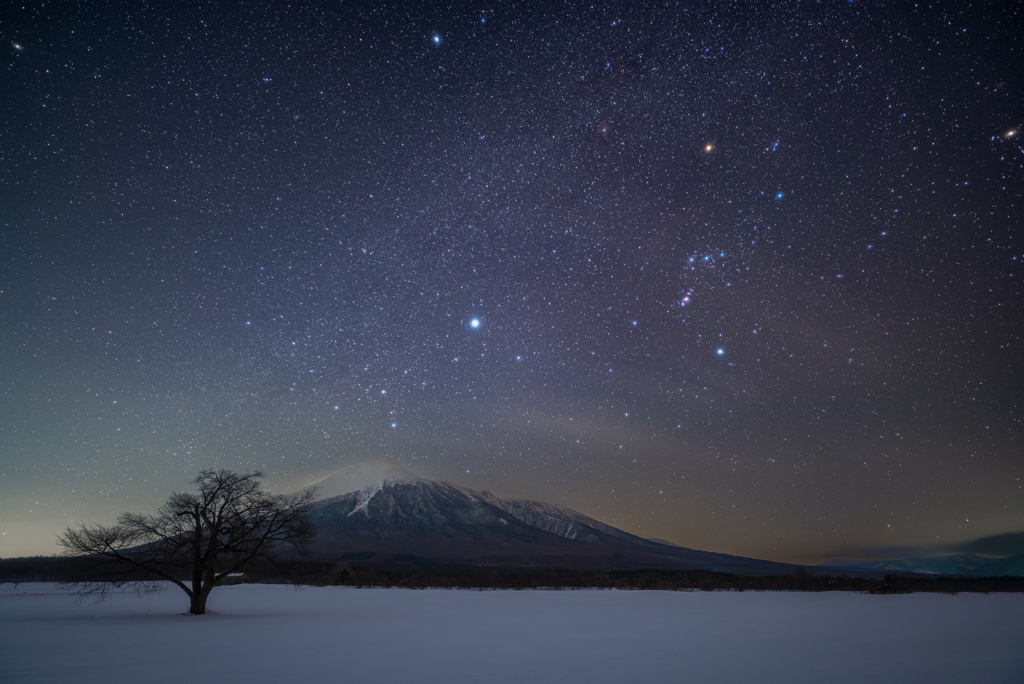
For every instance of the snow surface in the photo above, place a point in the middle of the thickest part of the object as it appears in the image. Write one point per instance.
(260, 633)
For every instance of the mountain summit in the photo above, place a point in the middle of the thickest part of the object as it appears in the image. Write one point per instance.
(365, 479)
(377, 511)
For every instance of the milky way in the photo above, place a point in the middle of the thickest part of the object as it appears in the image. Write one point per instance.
(747, 278)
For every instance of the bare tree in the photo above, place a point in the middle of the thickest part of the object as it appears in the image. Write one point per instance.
(195, 540)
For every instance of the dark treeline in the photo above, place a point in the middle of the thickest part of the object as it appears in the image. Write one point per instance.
(44, 569)
(343, 573)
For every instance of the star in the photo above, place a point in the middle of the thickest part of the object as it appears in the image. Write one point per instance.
(564, 199)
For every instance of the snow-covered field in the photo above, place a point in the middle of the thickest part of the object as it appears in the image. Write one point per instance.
(338, 634)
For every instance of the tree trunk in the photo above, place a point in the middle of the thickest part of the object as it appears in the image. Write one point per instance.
(203, 575)
(200, 592)
(198, 605)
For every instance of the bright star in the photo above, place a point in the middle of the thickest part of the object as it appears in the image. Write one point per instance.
(779, 196)
(720, 351)
(475, 323)
(437, 39)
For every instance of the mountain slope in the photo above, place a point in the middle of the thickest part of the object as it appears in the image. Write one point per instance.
(390, 511)
(559, 520)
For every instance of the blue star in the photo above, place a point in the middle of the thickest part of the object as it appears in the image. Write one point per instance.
(720, 351)
(475, 323)
(436, 38)
(779, 195)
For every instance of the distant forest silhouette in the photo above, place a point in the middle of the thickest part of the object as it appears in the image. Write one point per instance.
(417, 575)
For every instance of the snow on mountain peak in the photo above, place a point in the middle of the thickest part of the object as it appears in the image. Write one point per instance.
(365, 476)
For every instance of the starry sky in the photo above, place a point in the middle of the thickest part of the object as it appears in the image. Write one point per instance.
(743, 276)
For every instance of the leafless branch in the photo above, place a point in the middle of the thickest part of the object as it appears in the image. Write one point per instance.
(194, 541)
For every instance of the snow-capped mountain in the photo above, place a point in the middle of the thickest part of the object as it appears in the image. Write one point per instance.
(380, 509)
(365, 479)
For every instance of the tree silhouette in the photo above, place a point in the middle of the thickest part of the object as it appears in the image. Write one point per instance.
(195, 541)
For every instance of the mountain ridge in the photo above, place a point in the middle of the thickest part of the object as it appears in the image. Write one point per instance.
(967, 564)
(381, 509)
(390, 510)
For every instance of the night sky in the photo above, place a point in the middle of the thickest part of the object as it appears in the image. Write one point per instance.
(743, 276)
